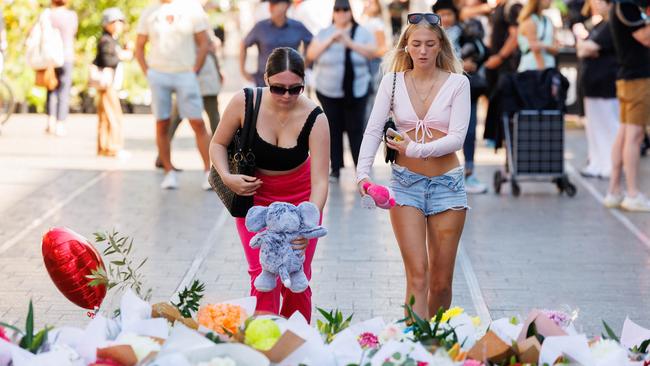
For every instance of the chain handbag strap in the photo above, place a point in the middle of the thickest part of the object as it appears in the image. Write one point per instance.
(244, 154)
(392, 94)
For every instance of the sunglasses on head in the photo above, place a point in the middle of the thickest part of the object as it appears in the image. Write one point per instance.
(280, 90)
(416, 18)
(343, 8)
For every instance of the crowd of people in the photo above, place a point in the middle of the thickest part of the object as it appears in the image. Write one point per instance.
(423, 74)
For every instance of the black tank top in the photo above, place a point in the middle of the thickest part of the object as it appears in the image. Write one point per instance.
(272, 157)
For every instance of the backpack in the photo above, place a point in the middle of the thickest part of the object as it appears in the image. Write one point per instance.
(44, 45)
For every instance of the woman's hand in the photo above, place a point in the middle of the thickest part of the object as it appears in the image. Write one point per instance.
(469, 66)
(345, 39)
(300, 243)
(242, 185)
(399, 146)
(360, 185)
(336, 36)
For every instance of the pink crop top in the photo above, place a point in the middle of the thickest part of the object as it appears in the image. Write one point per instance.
(448, 113)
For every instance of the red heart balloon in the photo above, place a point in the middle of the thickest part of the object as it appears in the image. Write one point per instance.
(69, 258)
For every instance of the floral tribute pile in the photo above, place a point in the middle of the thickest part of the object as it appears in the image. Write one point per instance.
(193, 332)
(229, 334)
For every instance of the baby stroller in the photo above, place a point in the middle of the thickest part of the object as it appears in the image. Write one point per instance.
(531, 106)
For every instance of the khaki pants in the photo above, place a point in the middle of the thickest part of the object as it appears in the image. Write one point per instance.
(110, 139)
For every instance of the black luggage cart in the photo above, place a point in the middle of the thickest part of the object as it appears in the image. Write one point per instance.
(534, 142)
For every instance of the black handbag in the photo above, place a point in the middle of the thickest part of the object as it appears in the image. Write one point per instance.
(390, 154)
(241, 159)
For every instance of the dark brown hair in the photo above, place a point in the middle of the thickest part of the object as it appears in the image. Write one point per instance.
(59, 2)
(285, 59)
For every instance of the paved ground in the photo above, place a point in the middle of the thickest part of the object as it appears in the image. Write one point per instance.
(540, 249)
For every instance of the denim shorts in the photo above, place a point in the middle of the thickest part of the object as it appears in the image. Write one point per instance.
(188, 94)
(431, 195)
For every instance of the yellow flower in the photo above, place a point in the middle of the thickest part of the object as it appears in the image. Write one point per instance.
(451, 313)
(476, 321)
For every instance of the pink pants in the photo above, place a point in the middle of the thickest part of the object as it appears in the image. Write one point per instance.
(293, 188)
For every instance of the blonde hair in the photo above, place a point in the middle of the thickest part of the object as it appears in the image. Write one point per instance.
(398, 60)
(531, 7)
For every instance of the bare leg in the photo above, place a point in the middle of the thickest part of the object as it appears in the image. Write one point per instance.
(617, 161)
(443, 235)
(202, 141)
(164, 146)
(631, 148)
(409, 226)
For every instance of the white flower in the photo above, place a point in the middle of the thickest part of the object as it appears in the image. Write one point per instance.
(609, 351)
(218, 361)
(392, 332)
(142, 346)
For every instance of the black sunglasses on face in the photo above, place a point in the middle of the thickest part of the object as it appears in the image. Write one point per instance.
(337, 9)
(280, 90)
(416, 18)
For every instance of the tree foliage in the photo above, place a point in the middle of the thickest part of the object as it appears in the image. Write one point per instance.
(21, 15)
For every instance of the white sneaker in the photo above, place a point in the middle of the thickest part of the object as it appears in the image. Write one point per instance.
(474, 186)
(123, 155)
(50, 128)
(60, 130)
(639, 203)
(612, 200)
(170, 181)
(206, 182)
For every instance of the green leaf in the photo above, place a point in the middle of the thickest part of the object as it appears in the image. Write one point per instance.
(96, 282)
(29, 328)
(325, 314)
(610, 332)
(643, 348)
(39, 339)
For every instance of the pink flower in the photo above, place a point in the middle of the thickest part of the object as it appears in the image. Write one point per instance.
(422, 363)
(560, 318)
(3, 335)
(368, 340)
(473, 363)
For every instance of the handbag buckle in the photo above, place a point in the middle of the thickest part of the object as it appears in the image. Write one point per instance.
(238, 157)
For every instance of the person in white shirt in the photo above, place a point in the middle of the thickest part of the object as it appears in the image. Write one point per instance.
(178, 44)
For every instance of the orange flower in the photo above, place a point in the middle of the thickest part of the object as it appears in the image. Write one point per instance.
(222, 317)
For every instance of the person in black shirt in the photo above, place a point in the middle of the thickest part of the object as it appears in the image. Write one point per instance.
(110, 140)
(466, 39)
(631, 41)
(504, 53)
(598, 84)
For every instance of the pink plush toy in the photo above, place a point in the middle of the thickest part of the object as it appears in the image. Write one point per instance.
(380, 194)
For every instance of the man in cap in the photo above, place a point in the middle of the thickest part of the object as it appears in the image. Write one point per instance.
(268, 34)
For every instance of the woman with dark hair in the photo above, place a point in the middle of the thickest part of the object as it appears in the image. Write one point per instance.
(291, 147)
(342, 77)
(58, 100)
(431, 110)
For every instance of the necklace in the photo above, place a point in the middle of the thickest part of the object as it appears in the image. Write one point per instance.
(419, 95)
(283, 122)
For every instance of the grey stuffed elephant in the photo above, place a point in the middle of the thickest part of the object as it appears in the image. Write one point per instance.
(284, 222)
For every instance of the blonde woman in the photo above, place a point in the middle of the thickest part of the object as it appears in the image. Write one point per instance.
(431, 110)
(374, 21)
(536, 37)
